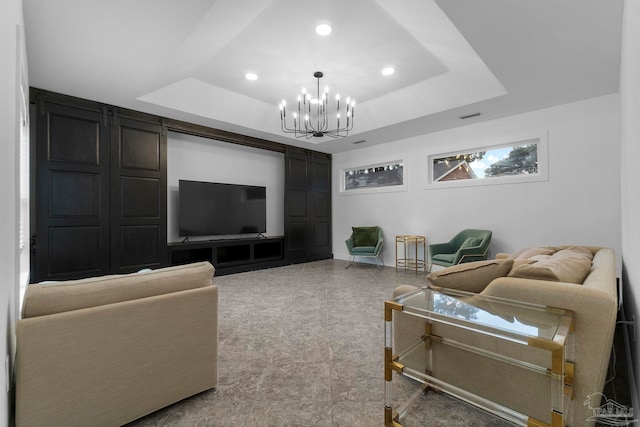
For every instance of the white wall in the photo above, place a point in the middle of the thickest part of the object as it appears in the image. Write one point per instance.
(12, 57)
(200, 159)
(579, 204)
(630, 176)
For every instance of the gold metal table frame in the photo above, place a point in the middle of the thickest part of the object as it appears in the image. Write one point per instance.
(404, 260)
(537, 329)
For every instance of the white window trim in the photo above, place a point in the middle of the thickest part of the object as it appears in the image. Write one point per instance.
(543, 163)
(388, 189)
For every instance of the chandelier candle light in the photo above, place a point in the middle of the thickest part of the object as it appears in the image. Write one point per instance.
(318, 113)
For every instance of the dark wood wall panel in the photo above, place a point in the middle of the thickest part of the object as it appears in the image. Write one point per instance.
(100, 190)
(64, 134)
(320, 200)
(321, 205)
(307, 205)
(140, 148)
(74, 250)
(140, 197)
(298, 203)
(139, 246)
(296, 236)
(72, 199)
(74, 194)
(322, 234)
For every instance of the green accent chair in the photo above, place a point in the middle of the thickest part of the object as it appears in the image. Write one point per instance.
(466, 246)
(365, 242)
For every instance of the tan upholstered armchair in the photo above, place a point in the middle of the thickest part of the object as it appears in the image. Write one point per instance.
(105, 351)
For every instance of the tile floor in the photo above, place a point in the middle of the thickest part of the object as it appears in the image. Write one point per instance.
(302, 345)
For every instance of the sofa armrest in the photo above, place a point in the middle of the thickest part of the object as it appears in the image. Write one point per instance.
(117, 362)
(595, 314)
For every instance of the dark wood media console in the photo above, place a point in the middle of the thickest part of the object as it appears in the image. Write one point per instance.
(232, 255)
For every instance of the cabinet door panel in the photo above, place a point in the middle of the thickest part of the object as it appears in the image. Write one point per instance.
(73, 251)
(307, 205)
(140, 148)
(139, 195)
(74, 194)
(71, 208)
(139, 246)
(64, 133)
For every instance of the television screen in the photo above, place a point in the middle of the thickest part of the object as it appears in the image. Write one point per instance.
(210, 208)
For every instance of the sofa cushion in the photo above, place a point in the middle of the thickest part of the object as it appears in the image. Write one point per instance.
(533, 252)
(570, 265)
(471, 276)
(364, 250)
(49, 298)
(365, 236)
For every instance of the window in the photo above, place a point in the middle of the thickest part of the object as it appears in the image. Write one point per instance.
(378, 177)
(519, 161)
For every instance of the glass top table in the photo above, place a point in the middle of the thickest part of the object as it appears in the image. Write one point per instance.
(483, 350)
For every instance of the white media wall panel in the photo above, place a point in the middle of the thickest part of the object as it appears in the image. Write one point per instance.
(200, 159)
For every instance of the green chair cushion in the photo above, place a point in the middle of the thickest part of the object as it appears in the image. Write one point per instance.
(365, 236)
(448, 258)
(363, 250)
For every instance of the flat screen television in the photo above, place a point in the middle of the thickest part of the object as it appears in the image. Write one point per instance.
(212, 208)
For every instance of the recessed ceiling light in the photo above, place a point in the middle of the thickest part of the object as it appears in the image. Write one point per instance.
(251, 76)
(387, 71)
(323, 29)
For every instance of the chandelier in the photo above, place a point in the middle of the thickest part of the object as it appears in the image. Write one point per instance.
(312, 116)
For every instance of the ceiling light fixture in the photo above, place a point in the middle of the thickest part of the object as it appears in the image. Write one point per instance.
(313, 120)
(388, 71)
(251, 76)
(323, 29)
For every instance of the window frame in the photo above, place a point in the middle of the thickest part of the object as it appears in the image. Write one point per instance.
(368, 190)
(541, 139)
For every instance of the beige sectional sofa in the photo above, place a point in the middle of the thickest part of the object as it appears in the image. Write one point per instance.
(542, 276)
(107, 350)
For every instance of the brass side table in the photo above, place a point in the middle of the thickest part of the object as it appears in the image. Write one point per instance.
(408, 259)
(483, 350)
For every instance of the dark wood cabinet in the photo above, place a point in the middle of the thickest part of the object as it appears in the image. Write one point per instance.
(99, 195)
(100, 190)
(138, 194)
(72, 206)
(307, 205)
(230, 256)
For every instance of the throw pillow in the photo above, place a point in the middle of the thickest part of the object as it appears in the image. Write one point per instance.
(532, 252)
(471, 276)
(570, 265)
(470, 242)
(365, 236)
